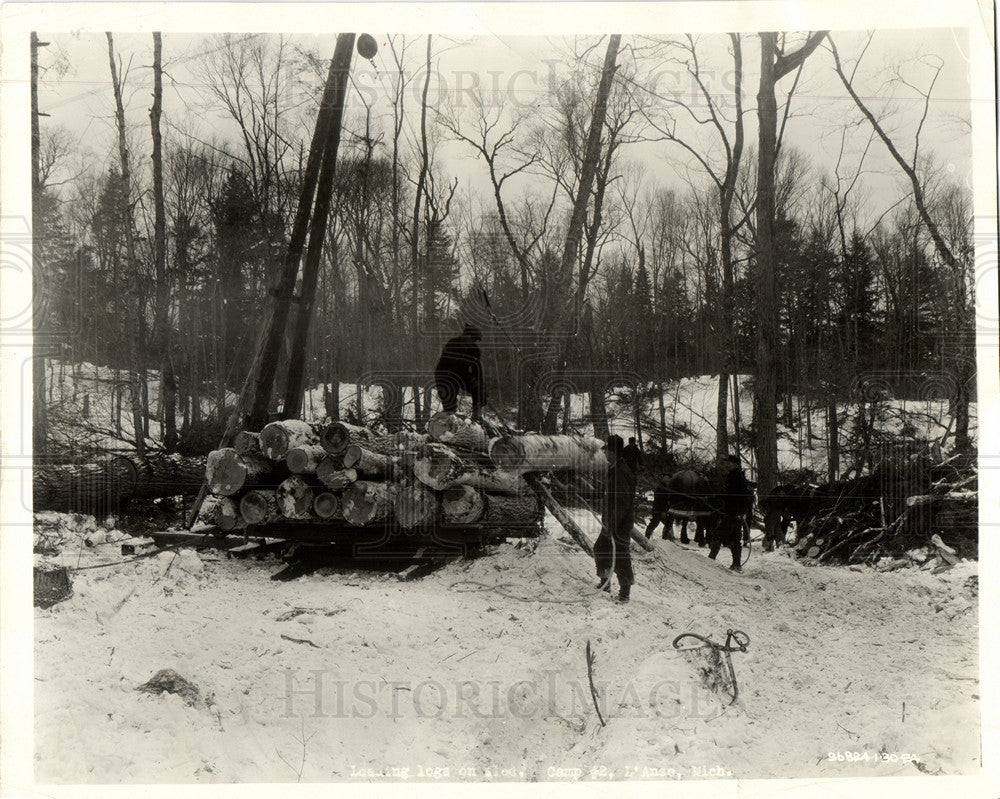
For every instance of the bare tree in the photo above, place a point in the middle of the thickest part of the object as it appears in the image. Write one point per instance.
(724, 173)
(137, 374)
(774, 65)
(959, 268)
(161, 321)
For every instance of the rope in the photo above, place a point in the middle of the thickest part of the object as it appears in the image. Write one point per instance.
(498, 588)
(143, 556)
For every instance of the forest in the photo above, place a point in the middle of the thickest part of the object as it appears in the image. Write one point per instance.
(710, 237)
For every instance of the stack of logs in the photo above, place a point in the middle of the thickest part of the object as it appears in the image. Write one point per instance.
(454, 479)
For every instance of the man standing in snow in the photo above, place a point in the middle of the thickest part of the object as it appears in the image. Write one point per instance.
(736, 500)
(460, 367)
(633, 456)
(612, 546)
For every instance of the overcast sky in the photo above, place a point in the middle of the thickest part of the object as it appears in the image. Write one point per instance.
(75, 91)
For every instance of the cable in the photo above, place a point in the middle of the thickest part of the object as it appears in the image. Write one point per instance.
(143, 556)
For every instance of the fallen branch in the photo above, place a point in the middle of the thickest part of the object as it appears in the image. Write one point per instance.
(590, 679)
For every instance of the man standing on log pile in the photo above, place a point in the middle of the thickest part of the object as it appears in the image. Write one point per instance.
(611, 549)
(633, 456)
(460, 367)
(736, 500)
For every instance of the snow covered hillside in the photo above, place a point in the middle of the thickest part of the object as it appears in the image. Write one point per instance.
(477, 671)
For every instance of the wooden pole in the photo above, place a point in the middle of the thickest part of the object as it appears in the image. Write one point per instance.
(282, 293)
(340, 67)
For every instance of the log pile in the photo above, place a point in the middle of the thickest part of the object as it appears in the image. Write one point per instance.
(912, 512)
(342, 480)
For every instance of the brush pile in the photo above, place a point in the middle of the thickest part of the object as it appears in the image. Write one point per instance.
(908, 511)
(334, 480)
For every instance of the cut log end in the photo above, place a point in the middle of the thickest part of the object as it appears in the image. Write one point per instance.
(327, 505)
(259, 507)
(365, 502)
(415, 506)
(295, 498)
(304, 459)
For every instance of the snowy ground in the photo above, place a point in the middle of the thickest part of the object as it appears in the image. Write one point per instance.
(478, 671)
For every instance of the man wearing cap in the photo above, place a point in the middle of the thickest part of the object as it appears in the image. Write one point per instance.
(460, 367)
(612, 546)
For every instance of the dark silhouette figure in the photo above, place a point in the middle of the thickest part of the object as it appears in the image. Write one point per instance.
(633, 456)
(736, 500)
(460, 368)
(612, 545)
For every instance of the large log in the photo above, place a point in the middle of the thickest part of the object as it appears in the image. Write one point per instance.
(368, 463)
(304, 459)
(223, 512)
(333, 475)
(458, 431)
(415, 506)
(407, 439)
(538, 453)
(102, 487)
(365, 502)
(226, 472)
(463, 504)
(440, 468)
(165, 476)
(507, 512)
(279, 437)
(95, 488)
(326, 505)
(260, 507)
(247, 442)
(295, 498)
(338, 436)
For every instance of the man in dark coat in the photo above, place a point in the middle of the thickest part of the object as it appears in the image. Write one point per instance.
(460, 368)
(612, 545)
(633, 456)
(735, 501)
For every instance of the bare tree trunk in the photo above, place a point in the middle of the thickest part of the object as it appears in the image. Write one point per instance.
(39, 428)
(168, 383)
(722, 418)
(773, 66)
(833, 440)
(317, 232)
(765, 419)
(260, 381)
(138, 424)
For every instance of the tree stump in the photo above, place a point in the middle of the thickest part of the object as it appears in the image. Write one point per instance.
(51, 585)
